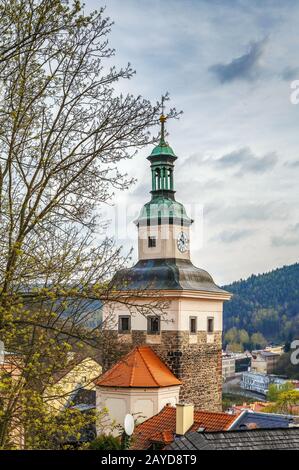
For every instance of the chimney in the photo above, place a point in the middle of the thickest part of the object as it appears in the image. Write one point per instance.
(184, 417)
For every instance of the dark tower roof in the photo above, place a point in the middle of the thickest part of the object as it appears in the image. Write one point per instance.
(165, 274)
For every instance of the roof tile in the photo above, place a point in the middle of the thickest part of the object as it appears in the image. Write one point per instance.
(140, 368)
(161, 427)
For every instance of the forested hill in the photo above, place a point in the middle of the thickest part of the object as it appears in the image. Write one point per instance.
(266, 303)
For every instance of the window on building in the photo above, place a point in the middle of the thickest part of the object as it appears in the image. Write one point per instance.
(153, 325)
(158, 179)
(152, 242)
(210, 325)
(124, 324)
(193, 325)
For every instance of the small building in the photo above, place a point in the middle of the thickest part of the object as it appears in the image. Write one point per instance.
(264, 362)
(139, 384)
(258, 382)
(275, 349)
(78, 375)
(243, 362)
(233, 363)
(228, 366)
(248, 419)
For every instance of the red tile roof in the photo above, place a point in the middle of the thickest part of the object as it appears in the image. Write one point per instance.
(161, 427)
(256, 406)
(140, 368)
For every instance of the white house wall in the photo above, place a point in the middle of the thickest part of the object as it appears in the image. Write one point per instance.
(142, 403)
(176, 318)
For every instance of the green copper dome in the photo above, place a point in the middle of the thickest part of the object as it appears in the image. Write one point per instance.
(163, 210)
(162, 149)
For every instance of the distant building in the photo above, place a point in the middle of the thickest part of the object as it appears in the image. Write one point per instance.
(257, 406)
(233, 363)
(79, 374)
(264, 361)
(258, 382)
(228, 366)
(248, 419)
(243, 362)
(275, 349)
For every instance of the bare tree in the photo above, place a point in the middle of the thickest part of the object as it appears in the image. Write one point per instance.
(63, 131)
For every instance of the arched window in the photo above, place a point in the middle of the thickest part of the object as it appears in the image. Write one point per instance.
(164, 182)
(169, 178)
(158, 178)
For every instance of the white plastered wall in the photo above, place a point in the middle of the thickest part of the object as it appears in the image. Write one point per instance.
(143, 403)
(175, 318)
(166, 236)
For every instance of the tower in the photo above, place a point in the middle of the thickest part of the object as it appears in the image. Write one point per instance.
(188, 335)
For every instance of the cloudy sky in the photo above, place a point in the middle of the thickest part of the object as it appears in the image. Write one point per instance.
(229, 66)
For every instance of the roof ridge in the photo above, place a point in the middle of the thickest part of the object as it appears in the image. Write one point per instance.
(147, 366)
(133, 366)
(109, 371)
(213, 412)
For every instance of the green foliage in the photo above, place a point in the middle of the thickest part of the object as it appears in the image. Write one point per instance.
(237, 337)
(105, 442)
(267, 304)
(275, 391)
(284, 399)
(258, 340)
(238, 340)
(236, 347)
(243, 337)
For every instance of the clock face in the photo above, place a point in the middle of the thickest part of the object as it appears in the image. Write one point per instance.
(182, 242)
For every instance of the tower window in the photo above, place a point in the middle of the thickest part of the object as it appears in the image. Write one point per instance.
(124, 324)
(152, 242)
(193, 325)
(153, 325)
(210, 326)
(158, 179)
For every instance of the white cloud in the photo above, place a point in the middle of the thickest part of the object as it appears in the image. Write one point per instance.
(237, 144)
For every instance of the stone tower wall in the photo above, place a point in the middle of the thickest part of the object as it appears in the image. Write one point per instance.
(198, 366)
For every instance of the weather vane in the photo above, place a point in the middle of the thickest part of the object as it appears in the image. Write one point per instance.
(163, 106)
